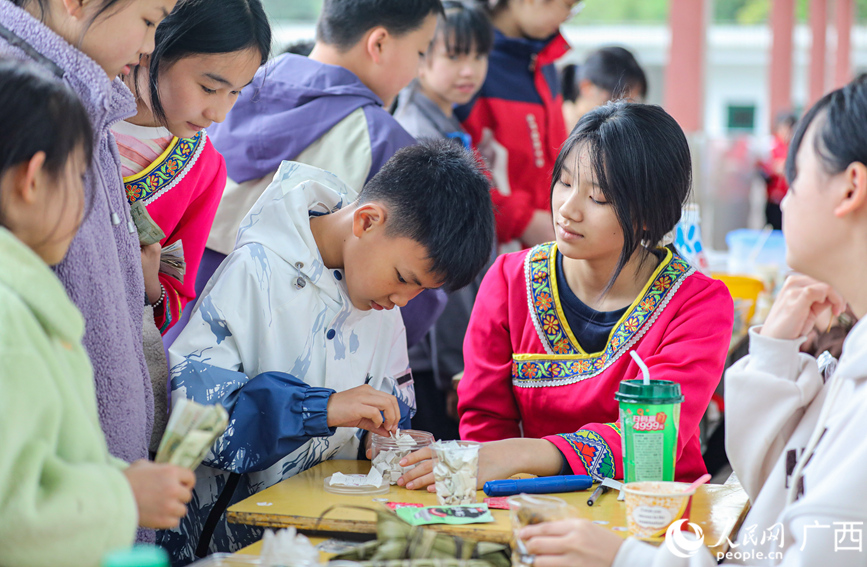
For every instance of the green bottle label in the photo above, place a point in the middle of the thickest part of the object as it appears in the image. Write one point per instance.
(649, 440)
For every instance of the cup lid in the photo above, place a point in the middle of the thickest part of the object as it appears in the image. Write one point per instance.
(657, 392)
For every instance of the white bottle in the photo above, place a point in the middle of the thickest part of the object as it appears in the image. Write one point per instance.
(687, 239)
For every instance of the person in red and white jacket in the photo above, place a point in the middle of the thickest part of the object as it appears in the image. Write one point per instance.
(516, 120)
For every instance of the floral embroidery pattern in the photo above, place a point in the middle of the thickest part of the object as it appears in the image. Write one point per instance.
(554, 331)
(593, 452)
(162, 177)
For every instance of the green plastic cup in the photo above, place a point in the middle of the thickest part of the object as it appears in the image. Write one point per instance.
(138, 556)
(649, 419)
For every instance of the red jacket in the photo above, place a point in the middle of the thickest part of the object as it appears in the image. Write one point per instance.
(516, 122)
(181, 191)
(776, 183)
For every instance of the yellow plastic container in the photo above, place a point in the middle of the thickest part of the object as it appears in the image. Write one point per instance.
(745, 292)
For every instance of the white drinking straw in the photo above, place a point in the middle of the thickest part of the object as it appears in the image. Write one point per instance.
(642, 366)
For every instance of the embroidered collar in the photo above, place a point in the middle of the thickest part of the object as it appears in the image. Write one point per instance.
(562, 348)
(166, 171)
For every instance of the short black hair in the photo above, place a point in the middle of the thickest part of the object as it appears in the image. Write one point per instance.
(342, 23)
(841, 138)
(206, 26)
(464, 27)
(614, 69)
(302, 47)
(39, 113)
(569, 82)
(438, 194)
(641, 160)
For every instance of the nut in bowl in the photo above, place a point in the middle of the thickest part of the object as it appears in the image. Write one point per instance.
(652, 506)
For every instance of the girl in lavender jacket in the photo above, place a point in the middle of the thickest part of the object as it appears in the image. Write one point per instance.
(87, 45)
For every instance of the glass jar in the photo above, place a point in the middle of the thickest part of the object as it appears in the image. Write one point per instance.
(388, 451)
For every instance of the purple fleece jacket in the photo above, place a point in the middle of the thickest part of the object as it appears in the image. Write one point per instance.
(293, 102)
(102, 271)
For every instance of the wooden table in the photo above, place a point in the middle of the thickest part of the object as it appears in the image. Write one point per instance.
(256, 549)
(300, 501)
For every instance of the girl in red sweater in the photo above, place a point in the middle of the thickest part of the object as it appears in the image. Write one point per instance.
(205, 53)
(549, 339)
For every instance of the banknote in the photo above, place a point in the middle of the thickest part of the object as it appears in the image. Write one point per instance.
(148, 230)
(172, 261)
(190, 432)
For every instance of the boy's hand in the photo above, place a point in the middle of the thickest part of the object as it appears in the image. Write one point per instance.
(368, 447)
(801, 301)
(566, 543)
(364, 407)
(161, 493)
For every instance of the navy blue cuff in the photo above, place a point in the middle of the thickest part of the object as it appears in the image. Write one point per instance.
(314, 409)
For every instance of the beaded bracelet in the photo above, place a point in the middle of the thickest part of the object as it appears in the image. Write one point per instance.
(159, 301)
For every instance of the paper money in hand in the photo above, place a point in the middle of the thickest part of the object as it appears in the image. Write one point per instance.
(191, 431)
(149, 231)
(172, 261)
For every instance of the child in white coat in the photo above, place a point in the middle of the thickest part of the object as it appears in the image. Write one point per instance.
(297, 334)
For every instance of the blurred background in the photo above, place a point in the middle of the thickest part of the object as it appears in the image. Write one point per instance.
(724, 68)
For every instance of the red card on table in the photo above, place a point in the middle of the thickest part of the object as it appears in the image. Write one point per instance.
(498, 502)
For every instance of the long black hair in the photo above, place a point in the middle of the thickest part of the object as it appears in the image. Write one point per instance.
(841, 138)
(641, 160)
(206, 26)
(39, 113)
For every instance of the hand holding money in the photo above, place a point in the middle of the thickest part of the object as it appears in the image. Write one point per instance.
(161, 492)
(149, 231)
(191, 431)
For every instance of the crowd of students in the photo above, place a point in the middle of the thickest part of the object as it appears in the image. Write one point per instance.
(300, 212)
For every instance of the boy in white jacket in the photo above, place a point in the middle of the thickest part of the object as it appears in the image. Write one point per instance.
(296, 335)
(796, 441)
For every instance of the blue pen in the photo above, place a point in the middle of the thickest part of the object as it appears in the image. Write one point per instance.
(541, 485)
